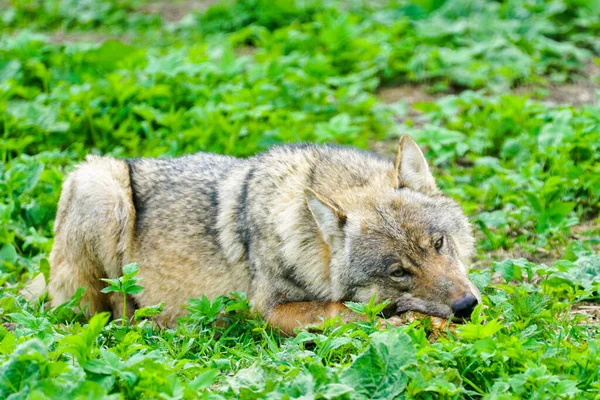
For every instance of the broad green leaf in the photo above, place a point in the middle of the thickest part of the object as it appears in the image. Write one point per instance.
(377, 373)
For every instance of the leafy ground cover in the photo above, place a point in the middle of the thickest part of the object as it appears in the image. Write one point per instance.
(111, 77)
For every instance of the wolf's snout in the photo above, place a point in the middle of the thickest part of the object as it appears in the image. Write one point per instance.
(463, 307)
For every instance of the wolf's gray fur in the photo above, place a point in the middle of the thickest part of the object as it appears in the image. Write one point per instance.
(300, 228)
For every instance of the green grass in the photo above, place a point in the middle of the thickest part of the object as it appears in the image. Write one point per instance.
(243, 76)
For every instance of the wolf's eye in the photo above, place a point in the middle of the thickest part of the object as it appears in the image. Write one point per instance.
(439, 243)
(399, 273)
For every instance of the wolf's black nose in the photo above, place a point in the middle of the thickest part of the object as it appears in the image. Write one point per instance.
(463, 307)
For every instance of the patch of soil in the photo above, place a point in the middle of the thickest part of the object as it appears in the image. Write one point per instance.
(9, 326)
(585, 228)
(174, 11)
(386, 148)
(246, 51)
(541, 256)
(85, 37)
(577, 93)
(591, 311)
(586, 231)
(411, 94)
(580, 92)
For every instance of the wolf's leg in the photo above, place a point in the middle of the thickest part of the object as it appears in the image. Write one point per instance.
(288, 316)
(94, 226)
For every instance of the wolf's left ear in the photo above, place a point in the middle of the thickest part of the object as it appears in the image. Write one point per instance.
(329, 218)
(411, 169)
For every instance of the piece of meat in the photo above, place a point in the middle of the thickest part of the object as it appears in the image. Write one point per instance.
(437, 326)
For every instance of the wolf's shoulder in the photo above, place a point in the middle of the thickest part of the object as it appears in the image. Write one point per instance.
(324, 157)
(324, 167)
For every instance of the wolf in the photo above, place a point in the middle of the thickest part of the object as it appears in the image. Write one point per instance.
(300, 228)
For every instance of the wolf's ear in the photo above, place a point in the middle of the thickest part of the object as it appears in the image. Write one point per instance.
(411, 169)
(329, 218)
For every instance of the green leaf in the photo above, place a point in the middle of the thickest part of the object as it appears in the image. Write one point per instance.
(70, 309)
(134, 289)
(108, 54)
(377, 373)
(8, 343)
(370, 309)
(110, 289)
(81, 345)
(148, 312)
(130, 269)
(205, 379)
(45, 269)
(575, 250)
(479, 331)
(8, 253)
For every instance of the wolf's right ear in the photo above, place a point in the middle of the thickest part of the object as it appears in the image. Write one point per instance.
(411, 169)
(329, 218)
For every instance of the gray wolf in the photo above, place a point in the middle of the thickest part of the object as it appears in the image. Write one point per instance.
(301, 229)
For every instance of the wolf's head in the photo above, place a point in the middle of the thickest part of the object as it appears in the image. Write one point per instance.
(399, 238)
